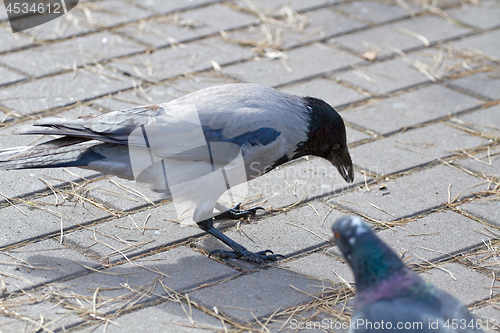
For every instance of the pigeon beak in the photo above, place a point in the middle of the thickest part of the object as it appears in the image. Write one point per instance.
(341, 159)
(335, 236)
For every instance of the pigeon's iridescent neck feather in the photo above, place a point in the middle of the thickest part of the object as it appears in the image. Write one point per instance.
(381, 274)
(372, 262)
(402, 282)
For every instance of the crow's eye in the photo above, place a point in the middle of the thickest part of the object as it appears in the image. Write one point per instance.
(336, 146)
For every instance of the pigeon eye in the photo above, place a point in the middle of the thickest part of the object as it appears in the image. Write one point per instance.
(336, 234)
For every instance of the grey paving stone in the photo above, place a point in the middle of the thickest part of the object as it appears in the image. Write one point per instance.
(24, 314)
(355, 135)
(123, 194)
(484, 120)
(434, 236)
(265, 291)
(147, 280)
(286, 233)
(301, 63)
(158, 32)
(334, 94)
(171, 316)
(409, 109)
(485, 42)
(395, 35)
(416, 192)
(116, 102)
(322, 267)
(55, 57)
(20, 183)
(192, 57)
(380, 39)
(27, 222)
(321, 23)
(192, 24)
(126, 236)
(85, 17)
(165, 7)
(160, 93)
(411, 148)
(212, 19)
(270, 6)
(490, 313)
(8, 76)
(278, 36)
(384, 77)
(486, 257)
(455, 279)
(485, 163)
(40, 263)
(440, 61)
(328, 23)
(484, 15)
(11, 41)
(433, 28)
(375, 12)
(71, 24)
(62, 90)
(487, 209)
(111, 13)
(485, 84)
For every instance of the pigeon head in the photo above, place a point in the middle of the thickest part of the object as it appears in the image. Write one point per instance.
(371, 260)
(326, 137)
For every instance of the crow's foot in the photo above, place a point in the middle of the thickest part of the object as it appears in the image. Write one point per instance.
(255, 257)
(236, 213)
(238, 250)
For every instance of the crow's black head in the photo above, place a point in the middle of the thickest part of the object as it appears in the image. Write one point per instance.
(326, 137)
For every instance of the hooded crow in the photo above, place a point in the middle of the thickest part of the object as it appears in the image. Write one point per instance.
(195, 148)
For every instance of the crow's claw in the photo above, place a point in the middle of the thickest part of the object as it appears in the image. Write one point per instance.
(236, 213)
(265, 252)
(255, 257)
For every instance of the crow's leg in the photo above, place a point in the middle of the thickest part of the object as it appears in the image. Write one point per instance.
(235, 212)
(239, 251)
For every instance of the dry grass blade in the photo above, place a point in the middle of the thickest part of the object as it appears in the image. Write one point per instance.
(289, 207)
(135, 228)
(93, 202)
(312, 232)
(10, 202)
(359, 73)
(111, 247)
(296, 21)
(366, 181)
(420, 37)
(314, 209)
(133, 191)
(384, 211)
(324, 218)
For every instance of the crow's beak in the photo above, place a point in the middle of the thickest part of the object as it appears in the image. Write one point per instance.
(341, 159)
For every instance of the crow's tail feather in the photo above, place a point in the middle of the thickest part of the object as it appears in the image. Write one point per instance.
(62, 152)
